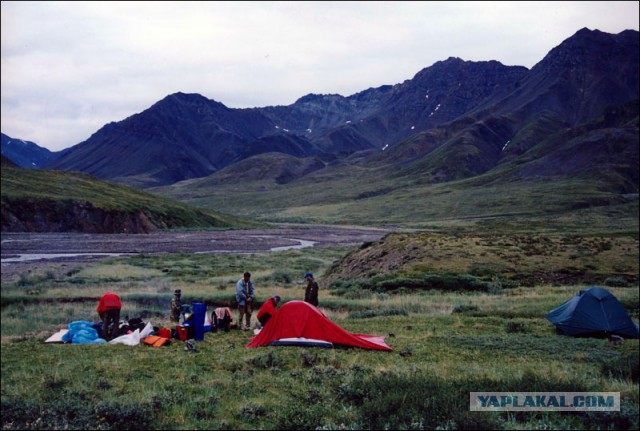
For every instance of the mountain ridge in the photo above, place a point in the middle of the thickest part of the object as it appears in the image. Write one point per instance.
(188, 136)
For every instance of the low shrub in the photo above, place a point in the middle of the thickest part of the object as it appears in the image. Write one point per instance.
(376, 313)
(464, 308)
(513, 326)
(625, 366)
(393, 284)
(69, 413)
(626, 419)
(280, 276)
(416, 401)
(617, 282)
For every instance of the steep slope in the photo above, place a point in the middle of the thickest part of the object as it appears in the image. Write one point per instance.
(605, 151)
(577, 79)
(573, 84)
(313, 114)
(438, 95)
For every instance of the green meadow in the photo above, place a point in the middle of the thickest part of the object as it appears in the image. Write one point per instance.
(445, 343)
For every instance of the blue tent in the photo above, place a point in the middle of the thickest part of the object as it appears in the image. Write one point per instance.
(593, 311)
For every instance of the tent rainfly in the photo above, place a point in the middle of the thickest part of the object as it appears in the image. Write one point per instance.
(594, 311)
(303, 321)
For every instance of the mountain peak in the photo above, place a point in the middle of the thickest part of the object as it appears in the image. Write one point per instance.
(314, 97)
(595, 40)
(189, 99)
(593, 49)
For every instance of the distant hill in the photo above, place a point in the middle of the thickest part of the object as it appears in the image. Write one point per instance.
(27, 154)
(57, 201)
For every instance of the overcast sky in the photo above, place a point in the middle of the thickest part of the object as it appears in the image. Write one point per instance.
(69, 68)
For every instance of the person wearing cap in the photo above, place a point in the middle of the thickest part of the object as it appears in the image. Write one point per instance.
(311, 292)
(176, 306)
(244, 297)
(109, 311)
(268, 310)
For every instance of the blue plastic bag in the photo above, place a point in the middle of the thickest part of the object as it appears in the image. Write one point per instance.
(79, 324)
(82, 332)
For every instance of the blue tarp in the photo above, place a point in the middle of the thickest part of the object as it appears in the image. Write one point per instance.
(593, 311)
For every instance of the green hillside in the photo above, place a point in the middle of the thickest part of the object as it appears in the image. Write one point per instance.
(367, 196)
(466, 173)
(40, 200)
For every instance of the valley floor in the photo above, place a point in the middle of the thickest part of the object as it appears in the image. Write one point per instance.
(41, 252)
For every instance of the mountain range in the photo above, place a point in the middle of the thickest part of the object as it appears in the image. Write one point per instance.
(574, 116)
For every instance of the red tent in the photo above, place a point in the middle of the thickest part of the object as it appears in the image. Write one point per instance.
(300, 319)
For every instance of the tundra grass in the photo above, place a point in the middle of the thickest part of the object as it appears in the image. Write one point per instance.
(445, 345)
(436, 362)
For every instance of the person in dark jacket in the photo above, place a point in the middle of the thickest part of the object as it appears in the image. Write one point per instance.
(268, 310)
(109, 311)
(311, 292)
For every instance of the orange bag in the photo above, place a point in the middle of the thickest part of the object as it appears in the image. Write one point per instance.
(155, 341)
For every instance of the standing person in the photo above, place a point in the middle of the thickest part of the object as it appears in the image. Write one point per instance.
(311, 292)
(109, 311)
(176, 305)
(244, 297)
(268, 310)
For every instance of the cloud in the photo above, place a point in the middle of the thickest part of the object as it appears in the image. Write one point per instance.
(68, 68)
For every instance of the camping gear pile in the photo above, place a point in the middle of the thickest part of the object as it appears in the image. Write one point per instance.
(83, 332)
(222, 319)
(135, 331)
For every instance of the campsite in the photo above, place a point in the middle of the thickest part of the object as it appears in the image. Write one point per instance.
(437, 203)
(445, 344)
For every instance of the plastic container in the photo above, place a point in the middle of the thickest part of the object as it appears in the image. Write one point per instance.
(199, 314)
(183, 333)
